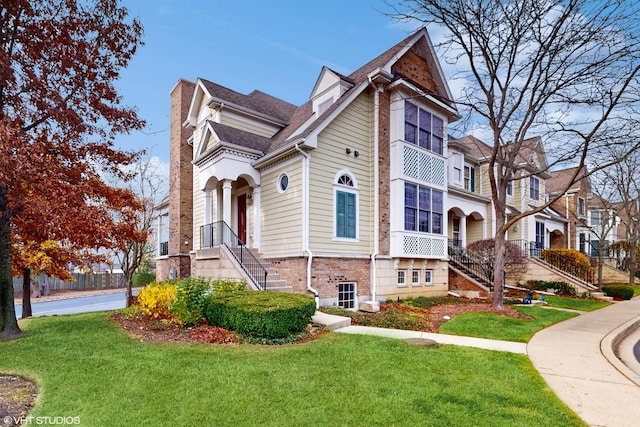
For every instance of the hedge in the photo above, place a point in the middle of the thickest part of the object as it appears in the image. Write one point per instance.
(620, 291)
(260, 314)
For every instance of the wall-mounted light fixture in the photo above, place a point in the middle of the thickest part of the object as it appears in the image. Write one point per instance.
(348, 150)
(356, 153)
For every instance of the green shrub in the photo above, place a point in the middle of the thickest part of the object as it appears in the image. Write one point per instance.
(620, 291)
(228, 286)
(263, 314)
(188, 307)
(142, 278)
(561, 288)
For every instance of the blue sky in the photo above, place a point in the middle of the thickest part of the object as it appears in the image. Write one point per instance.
(275, 46)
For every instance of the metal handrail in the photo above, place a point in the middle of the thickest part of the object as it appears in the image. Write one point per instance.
(561, 262)
(461, 258)
(219, 233)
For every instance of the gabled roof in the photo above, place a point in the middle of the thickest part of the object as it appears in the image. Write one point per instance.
(256, 101)
(302, 123)
(561, 178)
(240, 137)
(530, 150)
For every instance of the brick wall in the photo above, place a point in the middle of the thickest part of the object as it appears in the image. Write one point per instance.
(415, 67)
(326, 274)
(180, 181)
(384, 179)
(457, 282)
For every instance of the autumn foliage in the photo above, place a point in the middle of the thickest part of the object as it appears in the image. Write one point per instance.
(59, 114)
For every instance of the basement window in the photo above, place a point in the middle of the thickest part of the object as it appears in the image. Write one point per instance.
(347, 295)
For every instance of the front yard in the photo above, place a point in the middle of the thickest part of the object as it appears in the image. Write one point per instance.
(89, 368)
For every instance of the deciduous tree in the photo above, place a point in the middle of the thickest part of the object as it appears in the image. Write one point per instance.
(565, 70)
(59, 114)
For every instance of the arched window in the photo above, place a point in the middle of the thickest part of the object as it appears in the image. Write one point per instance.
(346, 206)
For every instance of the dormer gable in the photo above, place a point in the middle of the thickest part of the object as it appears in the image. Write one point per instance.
(328, 88)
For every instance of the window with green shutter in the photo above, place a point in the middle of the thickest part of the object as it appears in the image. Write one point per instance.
(345, 214)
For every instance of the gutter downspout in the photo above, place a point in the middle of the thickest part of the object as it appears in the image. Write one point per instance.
(376, 184)
(305, 222)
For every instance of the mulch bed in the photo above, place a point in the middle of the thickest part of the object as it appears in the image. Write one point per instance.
(17, 397)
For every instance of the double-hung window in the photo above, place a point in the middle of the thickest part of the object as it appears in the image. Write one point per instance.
(534, 188)
(423, 128)
(423, 209)
(469, 178)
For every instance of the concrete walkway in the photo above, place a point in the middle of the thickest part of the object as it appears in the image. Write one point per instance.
(578, 358)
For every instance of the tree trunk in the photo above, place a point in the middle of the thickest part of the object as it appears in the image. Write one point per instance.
(632, 259)
(8, 321)
(129, 297)
(26, 293)
(600, 261)
(498, 270)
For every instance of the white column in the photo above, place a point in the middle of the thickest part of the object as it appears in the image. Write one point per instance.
(159, 231)
(226, 201)
(463, 231)
(207, 206)
(256, 218)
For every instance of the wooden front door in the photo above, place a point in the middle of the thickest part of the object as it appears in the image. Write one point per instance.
(242, 218)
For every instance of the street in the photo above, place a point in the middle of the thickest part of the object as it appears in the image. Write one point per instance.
(111, 301)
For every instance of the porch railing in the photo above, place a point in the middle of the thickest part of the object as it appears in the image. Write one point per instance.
(470, 264)
(218, 234)
(559, 261)
(164, 248)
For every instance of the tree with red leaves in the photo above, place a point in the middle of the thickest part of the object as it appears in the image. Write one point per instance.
(59, 115)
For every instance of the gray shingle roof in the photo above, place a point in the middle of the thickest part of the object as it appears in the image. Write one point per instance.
(241, 137)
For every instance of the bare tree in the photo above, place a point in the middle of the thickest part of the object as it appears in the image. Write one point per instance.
(623, 180)
(564, 70)
(147, 184)
(603, 212)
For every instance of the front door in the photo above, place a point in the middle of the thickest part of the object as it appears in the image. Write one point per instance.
(242, 218)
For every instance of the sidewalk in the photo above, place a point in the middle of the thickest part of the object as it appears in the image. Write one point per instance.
(576, 358)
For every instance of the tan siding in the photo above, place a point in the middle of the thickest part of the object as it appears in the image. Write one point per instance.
(353, 129)
(247, 125)
(198, 209)
(281, 214)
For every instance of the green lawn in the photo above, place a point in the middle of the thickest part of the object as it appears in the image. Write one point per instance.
(492, 326)
(87, 367)
(575, 303)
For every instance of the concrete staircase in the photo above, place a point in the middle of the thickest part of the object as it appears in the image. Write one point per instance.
(275, 282)
(601, 296)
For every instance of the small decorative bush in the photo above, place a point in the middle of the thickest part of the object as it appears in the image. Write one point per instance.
(142, 278)
(157, 299)
(571, 255)
(188, 307)
(260, 314)
(619, 291)
(561, 288)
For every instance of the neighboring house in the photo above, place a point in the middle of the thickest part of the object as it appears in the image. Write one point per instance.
(604, 226)
(468, 207)
(344, 197)
(573, 204)
(525, 191)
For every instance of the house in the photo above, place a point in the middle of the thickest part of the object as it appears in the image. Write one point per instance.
(344, 197)
(572, 203)
(525, 191)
